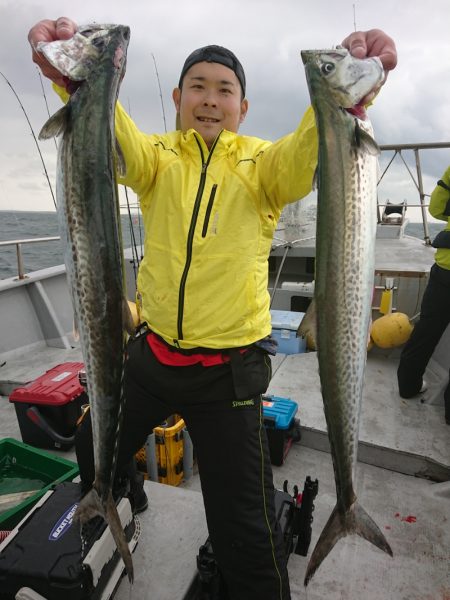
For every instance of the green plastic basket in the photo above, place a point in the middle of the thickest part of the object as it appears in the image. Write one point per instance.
(38, 464)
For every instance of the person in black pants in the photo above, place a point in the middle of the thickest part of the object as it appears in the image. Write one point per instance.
(231, 449)
(435, 309)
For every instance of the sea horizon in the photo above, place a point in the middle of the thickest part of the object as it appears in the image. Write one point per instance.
(26, 224)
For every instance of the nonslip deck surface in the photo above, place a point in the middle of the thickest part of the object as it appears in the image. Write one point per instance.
(413, 512)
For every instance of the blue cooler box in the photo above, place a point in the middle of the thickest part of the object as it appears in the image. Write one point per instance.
(282, 427)
(284, 329)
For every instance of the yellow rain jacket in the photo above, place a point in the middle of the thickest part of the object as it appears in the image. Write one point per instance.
(209, 219)
(439, 208)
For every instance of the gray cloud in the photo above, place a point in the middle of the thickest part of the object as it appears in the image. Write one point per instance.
(267, 37)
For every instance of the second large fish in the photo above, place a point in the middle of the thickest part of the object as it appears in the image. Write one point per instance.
(88, 213)
(345, 247)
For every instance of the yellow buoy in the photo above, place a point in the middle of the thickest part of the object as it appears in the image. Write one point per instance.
(391, 330)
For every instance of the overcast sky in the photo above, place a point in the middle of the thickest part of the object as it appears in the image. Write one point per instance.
(267, 36)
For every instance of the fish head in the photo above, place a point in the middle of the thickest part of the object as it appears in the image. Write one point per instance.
(337, 76)
(76, 57)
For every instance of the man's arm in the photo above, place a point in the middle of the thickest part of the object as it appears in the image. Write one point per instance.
(440, 199)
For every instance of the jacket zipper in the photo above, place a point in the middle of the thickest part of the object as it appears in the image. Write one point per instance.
(209, 209)
(190, 238)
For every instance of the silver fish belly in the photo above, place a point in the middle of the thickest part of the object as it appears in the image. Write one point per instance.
(88, 212)
(346, 229)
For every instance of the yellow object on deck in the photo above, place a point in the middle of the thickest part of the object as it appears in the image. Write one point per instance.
(386, 302)
(169, 450)
(391, 330)
(169, 446)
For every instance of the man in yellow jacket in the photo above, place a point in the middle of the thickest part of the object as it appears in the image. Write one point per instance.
(435, 309)
(210, 200)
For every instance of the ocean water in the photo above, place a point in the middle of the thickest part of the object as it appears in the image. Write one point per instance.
(22, 225)
(16, 225)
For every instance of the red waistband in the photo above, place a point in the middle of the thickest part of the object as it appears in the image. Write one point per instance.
(169, 356)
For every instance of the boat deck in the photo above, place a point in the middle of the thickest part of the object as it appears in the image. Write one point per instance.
(397, 440)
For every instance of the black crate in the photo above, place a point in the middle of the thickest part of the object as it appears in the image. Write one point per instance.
(280, 441)
(47, 553)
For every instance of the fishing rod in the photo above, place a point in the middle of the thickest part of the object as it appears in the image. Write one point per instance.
(134, 249)
(34, 136)
(136, 258)
(160, 93)
(45, 100)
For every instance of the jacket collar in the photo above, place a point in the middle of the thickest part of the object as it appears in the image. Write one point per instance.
(191, 141)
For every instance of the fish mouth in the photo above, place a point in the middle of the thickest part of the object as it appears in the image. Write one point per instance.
(71, 85)
(358, 111)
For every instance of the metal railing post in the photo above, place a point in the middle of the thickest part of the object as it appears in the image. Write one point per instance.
(422, 199)
(20, 261)
(18, 244)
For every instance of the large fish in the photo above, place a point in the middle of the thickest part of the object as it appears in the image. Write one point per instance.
(88, 212)
(345, 247)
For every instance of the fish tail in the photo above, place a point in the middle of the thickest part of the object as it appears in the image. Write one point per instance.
(113, 520)
(340, 524)
(366, 527)
(92, 506)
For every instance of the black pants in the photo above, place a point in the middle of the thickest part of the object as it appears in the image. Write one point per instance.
(434, 319)
(232, 453)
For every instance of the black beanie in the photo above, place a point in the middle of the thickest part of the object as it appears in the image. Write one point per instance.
(217, 54)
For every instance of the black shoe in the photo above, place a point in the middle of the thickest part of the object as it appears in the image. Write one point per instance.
(139, 501)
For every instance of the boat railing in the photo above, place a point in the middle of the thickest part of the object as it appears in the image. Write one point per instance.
(19, 243)
(418, 181)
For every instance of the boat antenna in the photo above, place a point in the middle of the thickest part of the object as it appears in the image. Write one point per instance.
(354, 16)
(34, 136)
(160, 93)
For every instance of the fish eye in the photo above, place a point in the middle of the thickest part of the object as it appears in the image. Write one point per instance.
(327, 68)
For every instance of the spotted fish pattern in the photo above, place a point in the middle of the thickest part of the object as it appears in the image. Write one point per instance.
(88, 211)
(345, 247)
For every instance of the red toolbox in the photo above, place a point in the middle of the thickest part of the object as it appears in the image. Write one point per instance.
(48, 408)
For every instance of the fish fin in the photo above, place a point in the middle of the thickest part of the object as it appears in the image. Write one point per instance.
(365, 141)
(366, 527)
(121, 164)
(56, 124)
(75, 329)
(340, 524)
(308, 325)
(92, 506)
(127, 318)
(113, 520)
(89, 507)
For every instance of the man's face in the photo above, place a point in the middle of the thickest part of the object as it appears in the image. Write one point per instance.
(210, 100)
